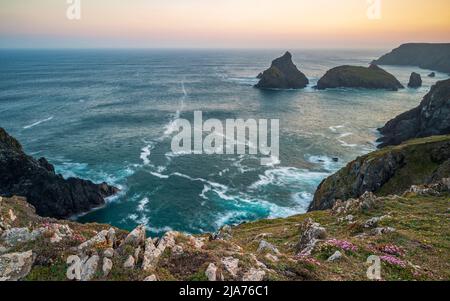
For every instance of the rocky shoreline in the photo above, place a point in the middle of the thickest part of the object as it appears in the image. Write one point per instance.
(431, 117)
(50, 193)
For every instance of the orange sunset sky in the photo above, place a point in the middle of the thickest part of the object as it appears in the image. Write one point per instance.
(222, 23)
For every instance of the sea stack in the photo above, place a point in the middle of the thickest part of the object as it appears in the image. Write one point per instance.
(282, 74)
(372, 77)
(415, 80)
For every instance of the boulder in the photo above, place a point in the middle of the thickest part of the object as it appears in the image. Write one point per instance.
(372, 77)
(282, 74)
(415, 80)
(211, 272)
(16, 266)
(89, 268)
(264, 246)
(151, 278)
(135, 237)
(98, 239)
(311, 234)
(231, 264)
(109, 253)
(15, 236)
(254, 275)
(129, 263)
(107, 266)
(335, 257)
(432, 74)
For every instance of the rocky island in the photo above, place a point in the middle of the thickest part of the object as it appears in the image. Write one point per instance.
(415, 80)
(423, 55)
(372, 77)
(48, 192)
(431, 117)
(282, 74)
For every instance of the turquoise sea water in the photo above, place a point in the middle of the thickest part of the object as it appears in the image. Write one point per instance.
(106, 115)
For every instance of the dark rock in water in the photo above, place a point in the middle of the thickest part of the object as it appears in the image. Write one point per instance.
(282, 74)
(372, 77)
(426, 56)
(388, 171)
(431, 117)
(335, 159)
(432, 74)
(48, 192)
(260, 75)
(415, 80)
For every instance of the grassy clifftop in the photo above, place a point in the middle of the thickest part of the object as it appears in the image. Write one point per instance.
(387, 171)
(410, 233)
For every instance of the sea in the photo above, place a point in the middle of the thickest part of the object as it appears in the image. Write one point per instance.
(109, 114)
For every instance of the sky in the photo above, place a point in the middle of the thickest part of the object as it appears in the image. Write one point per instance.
(223, 23)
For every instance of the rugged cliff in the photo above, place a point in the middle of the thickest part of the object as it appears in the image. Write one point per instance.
(427, 56)
(282, 74)
(372, 77)
(431, 117)
(387, 171)
(50, 193)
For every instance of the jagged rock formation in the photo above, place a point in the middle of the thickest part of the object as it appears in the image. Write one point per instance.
(415, 80)
(427, 56)
(282, 74)
(50, 193)
(372, 77)
(389, 170)
(431, 117)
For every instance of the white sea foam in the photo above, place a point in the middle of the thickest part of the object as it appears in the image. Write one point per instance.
(345, 144)
(336, 127)
(343, 135)
(206, 189)
(38, 122)
(142, 204)
(145, 153)
(284, 176)
(159, 175)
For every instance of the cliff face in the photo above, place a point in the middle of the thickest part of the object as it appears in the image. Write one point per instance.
(427, 56)
(51, 194)
(387, 171)
(282, 74)
(431, 117)
(372, 77)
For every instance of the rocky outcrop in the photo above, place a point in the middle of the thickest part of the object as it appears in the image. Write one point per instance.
(372, 77)
(282, 74)
(390, 170)
(15, 266)
(415, 80)
(432, 74)
(427, 56)
(431, 117)
(50, 193)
